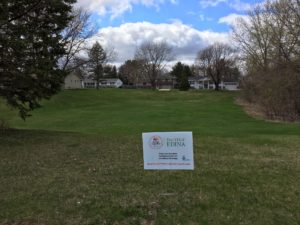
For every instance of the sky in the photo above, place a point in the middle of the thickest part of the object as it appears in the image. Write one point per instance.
(187, 25)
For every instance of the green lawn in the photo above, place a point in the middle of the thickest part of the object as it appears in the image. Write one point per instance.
(78, 160)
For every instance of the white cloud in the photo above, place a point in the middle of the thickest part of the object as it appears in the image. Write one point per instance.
(185, 40)
(115, 8)
(200, 16)
(234, 4)
(232, 19)
(240, 6)
(211, 3)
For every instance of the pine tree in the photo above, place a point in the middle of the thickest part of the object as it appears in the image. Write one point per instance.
(30, 47)
(97, 58)
(114, 72)
(181, 72)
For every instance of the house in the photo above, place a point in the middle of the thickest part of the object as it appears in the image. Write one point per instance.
(104, 83)
(200, 83)
(231, 85)
(206, 83)
(89, 83)
(166, 81)
(73, 81)
(111, 83)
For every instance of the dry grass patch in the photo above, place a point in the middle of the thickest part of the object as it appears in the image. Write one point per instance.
(256, 111)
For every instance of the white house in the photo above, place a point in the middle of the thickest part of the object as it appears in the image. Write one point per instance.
(206, 83)
(111, 83)
(104, 83)
(73, 81)
(231, 86)
(89, 83)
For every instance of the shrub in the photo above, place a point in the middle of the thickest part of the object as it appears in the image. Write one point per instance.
(277, 92)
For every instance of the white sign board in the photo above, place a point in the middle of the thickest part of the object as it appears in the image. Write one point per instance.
(168, 151)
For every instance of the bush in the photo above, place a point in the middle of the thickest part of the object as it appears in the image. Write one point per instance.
(277, 92)
(184, 84)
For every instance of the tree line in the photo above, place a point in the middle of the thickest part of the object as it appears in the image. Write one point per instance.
(217, 61)
(270, 47)
(41, 40)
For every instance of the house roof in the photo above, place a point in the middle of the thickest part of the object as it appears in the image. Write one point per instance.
(199, 78)
(74, 74)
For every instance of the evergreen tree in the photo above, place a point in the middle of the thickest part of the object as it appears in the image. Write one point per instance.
(110, 71)
(30, 46)
(97, 58)
(182, 72)
(184, 82)
(114, 72)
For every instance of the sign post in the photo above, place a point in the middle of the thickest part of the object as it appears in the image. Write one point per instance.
(168, 151)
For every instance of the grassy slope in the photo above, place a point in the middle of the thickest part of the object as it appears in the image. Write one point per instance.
(132, 112)
(86, 167)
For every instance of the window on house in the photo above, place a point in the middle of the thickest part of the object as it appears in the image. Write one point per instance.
(230, 83)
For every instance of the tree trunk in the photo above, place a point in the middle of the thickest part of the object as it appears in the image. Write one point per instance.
(97, 83)
(217, 86)
(153, 84)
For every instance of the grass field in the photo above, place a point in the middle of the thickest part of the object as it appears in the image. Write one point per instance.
(78, 160)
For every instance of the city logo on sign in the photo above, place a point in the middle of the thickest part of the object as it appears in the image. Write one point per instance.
(156, 142)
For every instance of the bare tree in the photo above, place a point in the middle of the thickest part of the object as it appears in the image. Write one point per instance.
(271, 35)
(269, 42)
(75, 35)
(215, 61)
(285, 23)
(154, 57)
(111, 53)
(131, 72)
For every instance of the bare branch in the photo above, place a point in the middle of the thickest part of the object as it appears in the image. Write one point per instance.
(75, 36)
(154, 57)
(215, 61)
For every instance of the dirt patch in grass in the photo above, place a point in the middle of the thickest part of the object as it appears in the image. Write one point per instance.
(255, 111)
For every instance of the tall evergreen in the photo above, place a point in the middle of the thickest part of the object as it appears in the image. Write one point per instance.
(30, 47)
(97, 58)
(182, 72)
(114, 72)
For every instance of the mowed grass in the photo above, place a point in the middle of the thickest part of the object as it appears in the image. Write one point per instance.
(79, 160)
